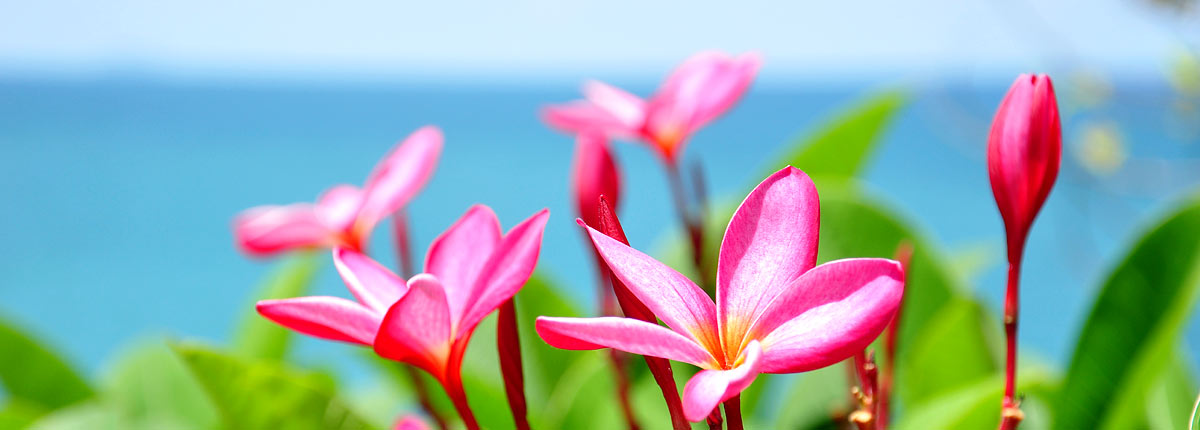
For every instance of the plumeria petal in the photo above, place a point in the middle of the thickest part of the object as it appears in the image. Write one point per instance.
(410, 422)
(266, 230)
(711, 387)
(584, 116)
(459, 254)
(506, 271)
(399, 176)
(671, 296)
(829, 282)
(771, 241)
(332, 318)
(373, 285)
(626, 108)
(625, 334)
(338, 207)
(704, 87)
(417, 329)
(593, 174)
(844, 306)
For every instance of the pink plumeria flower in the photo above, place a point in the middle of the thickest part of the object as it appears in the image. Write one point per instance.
(471, 269)
(410, 422)
(698, 91)
(594, 174)
(775, 312)
(344, 215)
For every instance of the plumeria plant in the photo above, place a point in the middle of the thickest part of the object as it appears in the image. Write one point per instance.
(812, 275)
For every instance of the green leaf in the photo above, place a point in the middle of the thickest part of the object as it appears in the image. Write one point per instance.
(817, 400)
(89, 415)
(543, 364)
(264, 394)
(953, 350)
(34, 375)
(583, 397)
(17, 414)
(257, 338)
(150, 388)
(1169, 405)
(842, 145)
(977, 405)
(1133, 327)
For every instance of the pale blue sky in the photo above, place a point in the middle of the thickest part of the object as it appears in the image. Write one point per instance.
(456, 38)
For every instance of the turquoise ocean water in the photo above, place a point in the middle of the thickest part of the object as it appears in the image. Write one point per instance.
(118, 194)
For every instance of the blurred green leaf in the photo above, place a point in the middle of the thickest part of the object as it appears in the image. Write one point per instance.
(150, 388)
(88, 415)
(34, 375)
(841, 146)
(264, 394)
(583, 397)
(17, 414)
(258, 338)
(974, 406)
(817, 400)
(953, 350)
(1169, 405)
(543, 364)
(1133, 327)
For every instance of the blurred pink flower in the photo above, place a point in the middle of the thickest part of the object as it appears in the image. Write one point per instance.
(775, 312)
(471, 270)
(698, 91)
(410, 422)
(1024, 153)
(594, 174)
(344, 215)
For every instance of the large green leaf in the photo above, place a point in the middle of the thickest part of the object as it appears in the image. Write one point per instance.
(583, 397)
(816, 400)
(843, 144)
(1169, 405)
(34, 375)
(543, 364)
(953, 350)
(150, 388)
(977, 405)
(1133, 327)
(264, 394)
(257, 338)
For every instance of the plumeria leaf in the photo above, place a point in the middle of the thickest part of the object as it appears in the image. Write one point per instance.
(584, 395)
(958, 346)
(259, 338)
(1132, 330)
(544, 364)
(264, 394)
(843, 144)
(150, 388)
(33, 374)
(977, 405)
(1169, 405)
(814, 400)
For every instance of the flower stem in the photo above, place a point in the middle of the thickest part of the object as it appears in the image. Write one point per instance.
(714, 419)
(508, 343)
(1011, 414)
(404, 255)
(454, 389)
(403, 243)
(733, 413)
(694, 228)
(883, 407)
(618, 362)
(660, 368)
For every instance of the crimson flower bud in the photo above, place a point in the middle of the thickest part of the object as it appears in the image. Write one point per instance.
(1024, 153)
(594, 174)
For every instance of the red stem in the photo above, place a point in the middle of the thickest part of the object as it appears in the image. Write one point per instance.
(454, 386)
(508, 344)
(403, 243)
(714, 419)
(618, 363)
(694, 229)
(423, 395)
(733, 413)
(404, 255)
(888, 374)
(660, 368)
(1011, 413)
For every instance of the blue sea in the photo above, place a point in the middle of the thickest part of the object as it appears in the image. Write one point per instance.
(118, 193)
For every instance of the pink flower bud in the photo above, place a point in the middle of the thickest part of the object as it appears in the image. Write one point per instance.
(594, 174)
(1024, 153)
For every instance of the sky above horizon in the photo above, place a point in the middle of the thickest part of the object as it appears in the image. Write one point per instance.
(546, 38)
